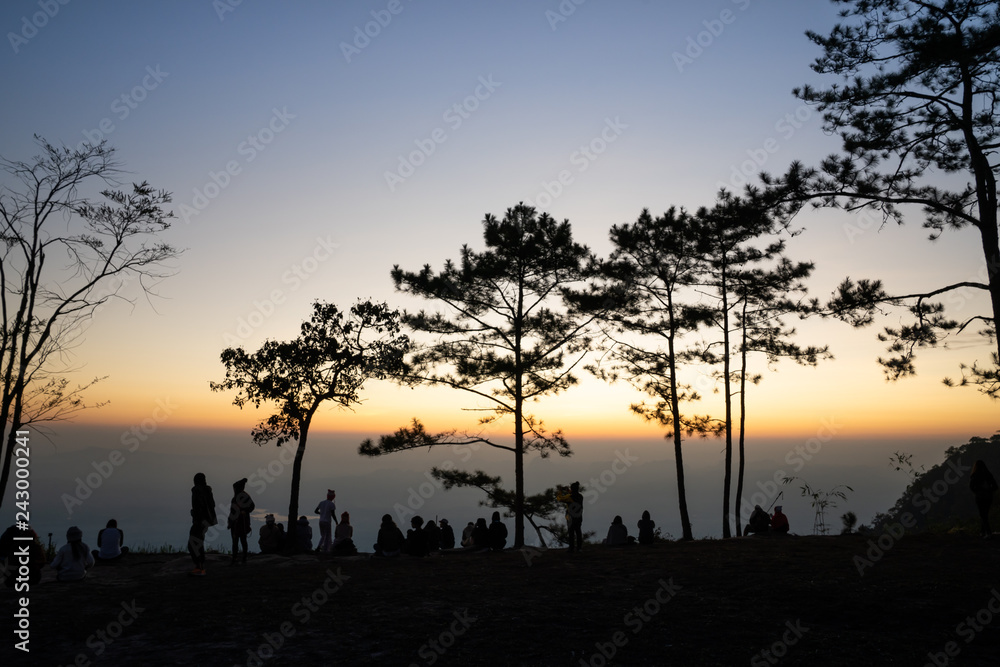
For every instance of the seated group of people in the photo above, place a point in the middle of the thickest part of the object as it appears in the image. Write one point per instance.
(71, 562)
(272, 536)
(480, 537)
(761, 522)
(424, 538)
(618, 534)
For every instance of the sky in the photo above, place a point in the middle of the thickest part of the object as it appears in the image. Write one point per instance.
(311, 146)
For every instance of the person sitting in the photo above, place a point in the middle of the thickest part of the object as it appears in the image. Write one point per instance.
(760, 522)
(779, 522)
(303, 535)
(497, 533)
(433, 533)
(416, 538)
(271, 536)
(617, 533)
(343, 537)
(467, 534)
(109, 543)
(390, 538)
(11, 555)
(646, 528)
(480, 536)
(73, 560)
(447, 540)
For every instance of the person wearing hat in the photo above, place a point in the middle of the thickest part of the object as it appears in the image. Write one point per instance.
(327, 510)
(72, 561)
(239, 518)
(779, 522)
(271, 535)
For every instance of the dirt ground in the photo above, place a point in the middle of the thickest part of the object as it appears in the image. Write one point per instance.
(921, 600)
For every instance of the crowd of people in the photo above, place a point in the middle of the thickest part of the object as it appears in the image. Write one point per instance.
(74, 559)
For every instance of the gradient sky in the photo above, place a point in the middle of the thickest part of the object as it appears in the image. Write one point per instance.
(275, 126)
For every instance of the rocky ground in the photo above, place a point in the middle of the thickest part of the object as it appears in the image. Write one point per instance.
(759, 601)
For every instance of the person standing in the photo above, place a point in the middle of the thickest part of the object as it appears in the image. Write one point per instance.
(983, 486)
(202, 517)
(239, 518)
(327, 510)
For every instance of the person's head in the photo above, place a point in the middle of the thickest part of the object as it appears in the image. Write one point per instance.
(481, 522)
(444, 522)
(74, 536)
(330, 494)
(239, 485)
(199, 479)
(417, 521)
(979, 467)
(386, 518)
(269, 519)
(645, 515)
(496, 517)
(112, 524)
(617, 521)
(303, 520)
(574, 487)
(345, 518)
(777, 510)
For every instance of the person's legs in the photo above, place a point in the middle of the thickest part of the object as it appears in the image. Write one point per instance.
(325, 536)
(196, 546)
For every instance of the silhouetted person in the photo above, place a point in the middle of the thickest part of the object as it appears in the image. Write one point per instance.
(480, 536)
(239, 518)
(983, 486)
(109, 543)
(646, 528)
(447, 535)
(433, 533)
(303, 535)
(271, 535)
(467, 534)
(575, 514)
(73, 560)
(11, 554)
(327, 510)
(343, 537)
(390, 538)
(617, 533)
(779, 522)
(498, 533)
(759, 523)
(202, 517)
(416, 538)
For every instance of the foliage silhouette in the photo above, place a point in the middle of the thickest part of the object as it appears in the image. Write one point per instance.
(917, 98)
(330, 361)
(501, 335)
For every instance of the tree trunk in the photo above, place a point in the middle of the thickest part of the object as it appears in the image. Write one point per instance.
(726, 530)
(743, 421)
(675, 411)
(293, 501)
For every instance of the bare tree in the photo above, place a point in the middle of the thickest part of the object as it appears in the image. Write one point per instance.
(64, 257)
